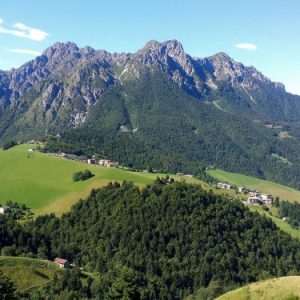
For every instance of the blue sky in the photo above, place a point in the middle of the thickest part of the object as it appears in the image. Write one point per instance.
(268, 30)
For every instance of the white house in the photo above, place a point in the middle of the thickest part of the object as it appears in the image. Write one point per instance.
(3, 209)
(91, 161)
(189, 175)
(255, 194)
(241, 189)
(253, 200)
(224, 186)
(108, 163)
(266, 199)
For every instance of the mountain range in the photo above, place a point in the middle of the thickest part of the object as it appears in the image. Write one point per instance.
(158, 108)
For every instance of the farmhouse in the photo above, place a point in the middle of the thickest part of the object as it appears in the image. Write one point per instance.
(63, 263)
(91, 161)
(108, 163)
(34, 142)
(189, 175)
(253, 200)
(266, 199)
(224, 186)
(241, 189)
(256, 197)
(255, 194)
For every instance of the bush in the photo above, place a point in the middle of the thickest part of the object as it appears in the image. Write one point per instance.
(82, 175)
(9, 144)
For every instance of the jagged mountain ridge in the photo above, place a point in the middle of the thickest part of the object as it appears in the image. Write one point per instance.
(66, 81)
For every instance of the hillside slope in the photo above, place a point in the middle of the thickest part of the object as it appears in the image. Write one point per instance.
(44, 183)
(27, 273)
(283, 288)
(156, 124)
(167, 240)
(283, 192)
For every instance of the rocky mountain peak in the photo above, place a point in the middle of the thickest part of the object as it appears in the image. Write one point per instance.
(171, 48)
(222, 56)
(65, 72)
(62, 50)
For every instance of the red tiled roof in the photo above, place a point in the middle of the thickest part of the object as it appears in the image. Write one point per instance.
(60, 261)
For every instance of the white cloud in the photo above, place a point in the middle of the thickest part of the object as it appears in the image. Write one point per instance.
(25, 51)
(246, 46)
(24, 31)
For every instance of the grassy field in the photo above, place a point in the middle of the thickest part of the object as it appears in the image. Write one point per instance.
(283, 192)
(295, 233)
(44, 183)
(27, 273)
(283, 288)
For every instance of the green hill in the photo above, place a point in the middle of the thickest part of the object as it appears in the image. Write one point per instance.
(44, 183)
(164, 242)
(27, 273)
(283, 192)
(283, 288)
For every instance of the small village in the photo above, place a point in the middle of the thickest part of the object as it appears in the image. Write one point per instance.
(254, 197)
(91, 161)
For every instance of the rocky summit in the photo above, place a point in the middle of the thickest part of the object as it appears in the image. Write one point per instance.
(66, 78)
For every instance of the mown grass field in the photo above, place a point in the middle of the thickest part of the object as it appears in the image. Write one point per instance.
(283, 288)
(44, 183)
(283, 192)
(27, 273)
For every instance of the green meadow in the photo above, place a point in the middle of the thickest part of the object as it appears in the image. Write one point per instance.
(285, 288)
(295, 233)
(275, 189)
(27, 273)
(44, 182)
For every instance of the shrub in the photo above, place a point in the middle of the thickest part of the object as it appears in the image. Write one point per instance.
(82, 175)
(9, 144)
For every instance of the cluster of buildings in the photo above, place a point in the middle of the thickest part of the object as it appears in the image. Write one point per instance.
(67, 156)
(254, 197)
(103, 162)
(223, 186)
(34, 142)
(259, 198)
(90, 161)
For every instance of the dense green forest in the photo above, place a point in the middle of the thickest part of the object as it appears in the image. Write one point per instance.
(168, 130)
(165, 241)
(291, 212)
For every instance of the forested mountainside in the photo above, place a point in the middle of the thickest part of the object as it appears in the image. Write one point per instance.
(158, 108)
(163, 242)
